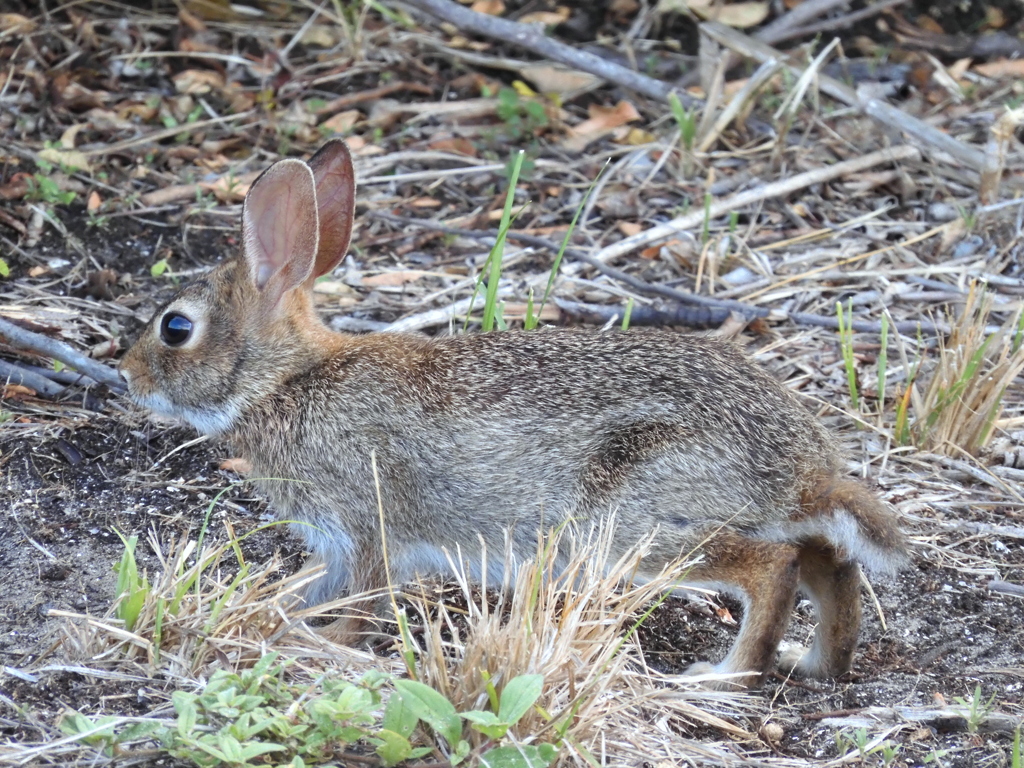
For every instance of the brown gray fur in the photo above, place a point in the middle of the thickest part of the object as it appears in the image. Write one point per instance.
(479, 437)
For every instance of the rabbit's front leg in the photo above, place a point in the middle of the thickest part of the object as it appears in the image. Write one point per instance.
(367, 588)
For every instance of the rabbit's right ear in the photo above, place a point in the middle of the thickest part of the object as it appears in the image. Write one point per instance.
(280, 229)
(336, 203)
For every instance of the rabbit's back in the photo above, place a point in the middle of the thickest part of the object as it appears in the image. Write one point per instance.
(475, 434)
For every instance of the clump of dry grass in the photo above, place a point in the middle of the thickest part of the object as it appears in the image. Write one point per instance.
(570, 616)
(958, 409)
(207, 607)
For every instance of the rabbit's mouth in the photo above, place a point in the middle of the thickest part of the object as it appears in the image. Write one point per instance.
(207, 421)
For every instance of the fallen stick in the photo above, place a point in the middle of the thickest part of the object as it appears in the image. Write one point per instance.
(532, 38)
(776, 189)
(749, 311)
(15, 374)
(882, 112)
(44, 345)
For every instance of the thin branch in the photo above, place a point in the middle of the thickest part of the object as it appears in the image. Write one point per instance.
(15, 374)
(532, 38)
(880, 111)
(777, 189)
(749, 311)
(36, 342)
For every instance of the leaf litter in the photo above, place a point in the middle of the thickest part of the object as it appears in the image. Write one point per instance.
(129, 138)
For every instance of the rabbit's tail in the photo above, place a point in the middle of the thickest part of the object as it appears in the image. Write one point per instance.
(853, 520)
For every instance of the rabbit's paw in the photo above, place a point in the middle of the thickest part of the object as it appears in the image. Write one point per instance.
(798, 661)
(351, 631)
(718, 679)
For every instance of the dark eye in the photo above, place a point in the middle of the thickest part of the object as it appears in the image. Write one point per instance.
(175, 329)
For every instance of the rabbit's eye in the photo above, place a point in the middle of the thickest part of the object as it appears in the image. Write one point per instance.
(175, 329)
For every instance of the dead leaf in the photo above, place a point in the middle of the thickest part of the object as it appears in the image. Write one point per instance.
(459, 145)
(390, 279)
(14, 391)
(742, 15)
(490, 7)
(94, 202)
(957, 69)
(637, 136)
(548, 18)
(16, 23)
(630, 228)
(1001, 68)
(65, 158)
(198, 81)
(554, 78)
(343, 121)
(425, 202)
(230, 188)
(602, 120)
(320, 36)
(211, 10)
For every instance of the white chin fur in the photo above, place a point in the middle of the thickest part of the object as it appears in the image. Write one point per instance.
(206, 421)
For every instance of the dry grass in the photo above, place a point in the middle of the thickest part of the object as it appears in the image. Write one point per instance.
(570, 616)
(573, 624)
(964, 397)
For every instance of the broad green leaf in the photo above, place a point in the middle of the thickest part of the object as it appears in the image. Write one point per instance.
(431, 707)
(399, 716)
(518, 696)
(393, 747)
(519, 756)
(487, 723)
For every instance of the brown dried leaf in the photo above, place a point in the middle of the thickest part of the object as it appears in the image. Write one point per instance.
(16, 23)
(742, 15)
(1001, 68)
(93, 203)
(343, 121)
(198, 81)
(460, 145)
(490, 7)
(390, 279)
(602, 120)
(548, 18)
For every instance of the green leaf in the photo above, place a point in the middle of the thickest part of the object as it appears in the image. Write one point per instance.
(399, 716)
(518, 696)
(158, 268)
(393, 747)
(185, 706)
(519, 756)
(432, 708)
(5, 270)
(487, 723)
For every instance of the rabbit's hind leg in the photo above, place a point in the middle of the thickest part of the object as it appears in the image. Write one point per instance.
(833, 587)
(764, 576)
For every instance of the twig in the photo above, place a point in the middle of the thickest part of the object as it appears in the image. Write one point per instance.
(880, 111)
(777, 189)
(44, 345)
(14, 374)
(828, 25)
(749, 311)
(533, 39)
(695, 317)
(1006, 588)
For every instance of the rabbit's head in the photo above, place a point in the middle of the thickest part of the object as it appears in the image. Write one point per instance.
(235, 334)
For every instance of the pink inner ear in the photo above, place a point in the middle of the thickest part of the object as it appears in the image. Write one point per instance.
(280, 227)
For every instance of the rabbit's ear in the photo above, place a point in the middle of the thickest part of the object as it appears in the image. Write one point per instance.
(279, 228)
(336, 202)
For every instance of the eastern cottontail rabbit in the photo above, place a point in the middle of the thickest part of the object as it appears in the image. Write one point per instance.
(476, 435)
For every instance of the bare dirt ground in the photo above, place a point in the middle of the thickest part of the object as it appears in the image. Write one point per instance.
(78, 469)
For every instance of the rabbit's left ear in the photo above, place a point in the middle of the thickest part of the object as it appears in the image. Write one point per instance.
(279, 229)
(335, 202)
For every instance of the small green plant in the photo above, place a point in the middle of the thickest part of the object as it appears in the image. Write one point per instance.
(158, 268)
(846, 342)
(860, 740)
(5, 271)
(42, 188)
(523, 116)
(977, 708)
(492, 267)
(1015, 758)
(627, 314)
(132, 588)
(686, 121)
(241, 718)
